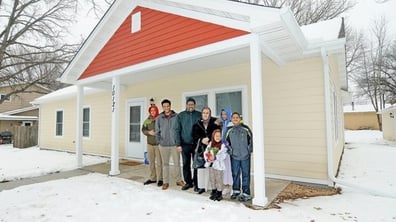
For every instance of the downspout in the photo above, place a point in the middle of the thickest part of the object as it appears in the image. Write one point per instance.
(329, 139)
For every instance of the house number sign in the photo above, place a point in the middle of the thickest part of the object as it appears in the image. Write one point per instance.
(113, 99)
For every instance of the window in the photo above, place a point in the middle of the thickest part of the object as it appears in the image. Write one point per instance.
(233, 97)
(3, 96)
(232, 100)
(59, 123)
(86, 122)
(200, 101)
(27, 123)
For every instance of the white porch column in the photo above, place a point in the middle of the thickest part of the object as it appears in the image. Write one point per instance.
(115, 116)
(79, 125)
(260, 197)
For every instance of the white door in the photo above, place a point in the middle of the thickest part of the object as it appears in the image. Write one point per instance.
(135, 139)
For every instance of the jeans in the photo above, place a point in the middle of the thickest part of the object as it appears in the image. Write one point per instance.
(238, 167)
(187, 155)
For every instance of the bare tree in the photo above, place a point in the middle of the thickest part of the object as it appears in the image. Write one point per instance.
(309, 11)
(367, 68)
(389, 70)
(34, 49)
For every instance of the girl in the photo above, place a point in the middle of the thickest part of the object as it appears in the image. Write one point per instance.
(215, 154)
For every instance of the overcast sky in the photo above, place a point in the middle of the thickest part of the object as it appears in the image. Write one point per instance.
(366, 11)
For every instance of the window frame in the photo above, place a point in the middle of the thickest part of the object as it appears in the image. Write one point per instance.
(89, 122)
(211, 93)
(56, 123)
(8, 99)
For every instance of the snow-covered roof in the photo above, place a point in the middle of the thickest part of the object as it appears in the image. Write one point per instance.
(363, 108)
(322, 31)
(64, 93)
(12, 112)
(11, 117)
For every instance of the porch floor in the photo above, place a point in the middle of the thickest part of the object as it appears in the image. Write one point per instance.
(138, 172)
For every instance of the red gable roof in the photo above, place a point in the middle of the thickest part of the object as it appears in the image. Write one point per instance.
(161, 34)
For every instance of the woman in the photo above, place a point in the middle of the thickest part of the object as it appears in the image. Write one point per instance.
(202, 133)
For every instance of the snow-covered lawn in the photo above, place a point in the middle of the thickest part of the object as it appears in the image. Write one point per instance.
(31, 162)
(368, 161)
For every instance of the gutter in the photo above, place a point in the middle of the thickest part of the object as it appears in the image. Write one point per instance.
(329, 139)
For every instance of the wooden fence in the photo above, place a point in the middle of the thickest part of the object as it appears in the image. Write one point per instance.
(25, 136)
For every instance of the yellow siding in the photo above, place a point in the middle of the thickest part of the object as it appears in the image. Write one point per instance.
(99, 141)
(294, 119)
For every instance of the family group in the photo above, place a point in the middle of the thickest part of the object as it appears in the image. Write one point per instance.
(218, 150)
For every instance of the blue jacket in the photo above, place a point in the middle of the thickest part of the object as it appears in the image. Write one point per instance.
(239, 141)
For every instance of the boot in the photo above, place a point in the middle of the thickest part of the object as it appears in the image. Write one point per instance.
(219, 195)
(213, 194)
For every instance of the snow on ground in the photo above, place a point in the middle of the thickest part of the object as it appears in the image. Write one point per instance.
(367, 161)
(31, 162)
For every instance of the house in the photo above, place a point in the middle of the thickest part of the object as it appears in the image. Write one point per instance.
(389, 123)
(286, 80)
(16, 109)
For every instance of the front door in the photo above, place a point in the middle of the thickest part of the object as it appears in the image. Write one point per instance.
(135, 139)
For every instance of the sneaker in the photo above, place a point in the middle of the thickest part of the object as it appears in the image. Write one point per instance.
(244, 197)
(187, 186)
(147, 182)
(160, 183)
(235, 195)
(165, 186)
(180, 183)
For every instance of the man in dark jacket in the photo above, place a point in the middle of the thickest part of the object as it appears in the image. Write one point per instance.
(186, 120)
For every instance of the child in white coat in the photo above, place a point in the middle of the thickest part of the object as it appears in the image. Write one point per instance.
(215, 154)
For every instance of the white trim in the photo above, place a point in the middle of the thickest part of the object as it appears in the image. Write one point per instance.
(143, 117)
(256, 81)
(136, 24)
(97, 39)
(201, 16)
(115, 122)
(299, 179)
(79, 113)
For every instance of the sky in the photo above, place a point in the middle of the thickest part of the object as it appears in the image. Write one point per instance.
(367, 11)
(368, 161)
(360, 17)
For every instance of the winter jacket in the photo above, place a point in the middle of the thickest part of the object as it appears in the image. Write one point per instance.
(149, 125)
(186, 120)
(239, 141)
(165, 129)
(218, 163)
(199, 131)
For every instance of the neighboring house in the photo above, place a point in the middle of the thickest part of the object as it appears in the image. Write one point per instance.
(286, 80)
(389, 123)
(16, 110)
(360, 117)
